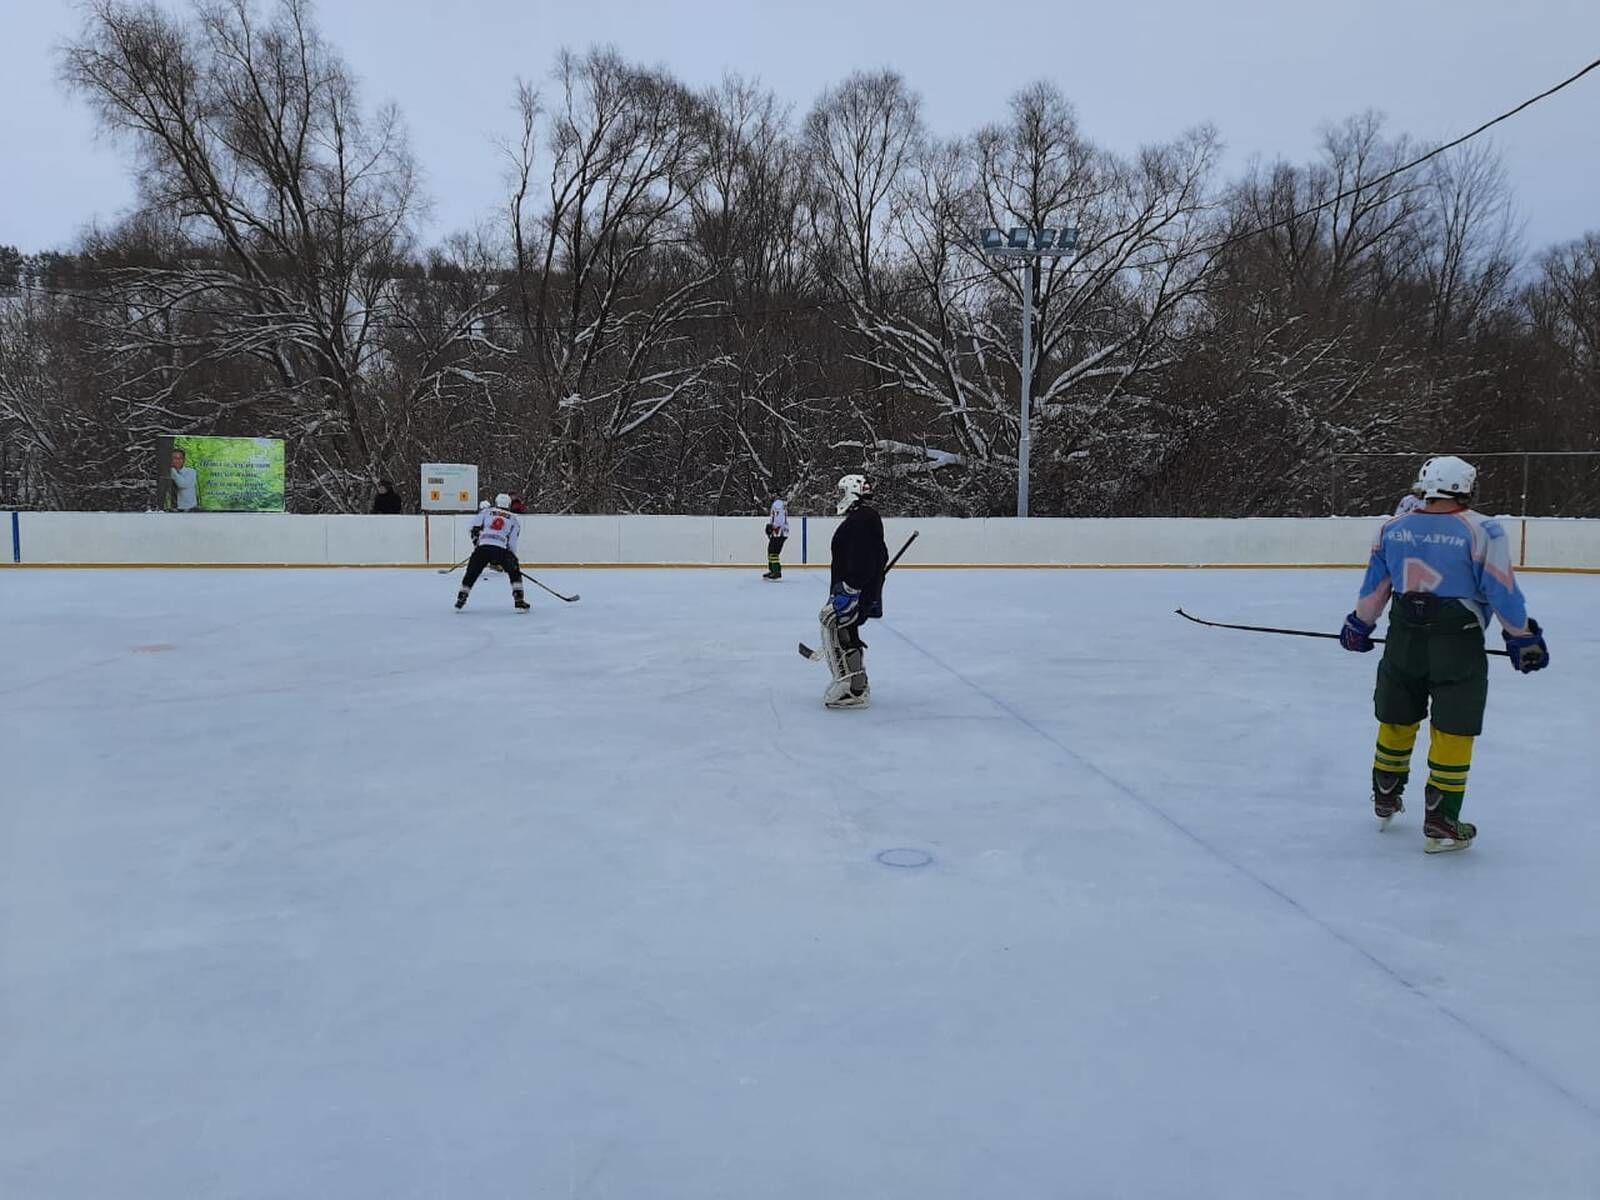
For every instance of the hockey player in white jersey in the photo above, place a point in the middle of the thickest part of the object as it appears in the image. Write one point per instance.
(494, 534)
(777, 535)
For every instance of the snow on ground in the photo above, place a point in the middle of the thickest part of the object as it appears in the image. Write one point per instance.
(312, 887)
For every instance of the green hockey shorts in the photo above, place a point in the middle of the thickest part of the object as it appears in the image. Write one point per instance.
(1434, 667)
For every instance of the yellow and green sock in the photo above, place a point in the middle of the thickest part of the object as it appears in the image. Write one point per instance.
(1393, 755)
(1449, 760)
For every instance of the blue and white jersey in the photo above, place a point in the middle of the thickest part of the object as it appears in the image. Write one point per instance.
(1459, 555)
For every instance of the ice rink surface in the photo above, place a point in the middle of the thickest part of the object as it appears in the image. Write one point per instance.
(310, 887)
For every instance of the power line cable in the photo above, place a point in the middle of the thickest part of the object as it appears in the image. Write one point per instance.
(1391, 174)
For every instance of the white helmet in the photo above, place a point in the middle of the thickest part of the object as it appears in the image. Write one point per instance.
(851, 489)
(1447, 478)
(482, 504)
(503, 500)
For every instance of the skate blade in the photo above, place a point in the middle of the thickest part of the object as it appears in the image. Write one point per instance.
(1443, 845)
(1383, 822)
(849, 702)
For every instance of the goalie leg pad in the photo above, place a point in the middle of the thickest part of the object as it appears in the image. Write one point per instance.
(844, 652)
(855, 660)
(853, 690)
(832, 645)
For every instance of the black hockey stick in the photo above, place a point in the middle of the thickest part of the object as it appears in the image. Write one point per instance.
(903, 549)
(1378, 641)
(569, 599)
(572, 599)
(816, 655)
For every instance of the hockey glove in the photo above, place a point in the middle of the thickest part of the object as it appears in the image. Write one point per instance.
(1528, 651)
(1356, 634)
(875, 610)
(846, 605)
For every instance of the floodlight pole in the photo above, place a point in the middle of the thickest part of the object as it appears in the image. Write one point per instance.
(1030, 245)
(1025, 436)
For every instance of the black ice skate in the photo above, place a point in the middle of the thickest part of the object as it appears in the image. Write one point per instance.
(1441, 832)
(1386, 801)
(521, 601)
(461, 599)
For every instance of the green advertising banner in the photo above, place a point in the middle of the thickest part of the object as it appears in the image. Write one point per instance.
(220, 474)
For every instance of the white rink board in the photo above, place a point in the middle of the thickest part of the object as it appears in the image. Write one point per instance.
(649, 539)
(385, 539)
(313, 887)
(1560, 543)
(158, 538)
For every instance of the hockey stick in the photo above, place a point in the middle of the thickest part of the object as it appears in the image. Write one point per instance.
(816, 655)
(572, 599)
(903, 549)
(569, 599)
(1377, 641)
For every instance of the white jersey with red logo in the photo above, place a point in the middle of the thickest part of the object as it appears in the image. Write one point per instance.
(497, 527)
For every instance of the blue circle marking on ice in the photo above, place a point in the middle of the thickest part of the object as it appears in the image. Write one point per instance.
(904, 856)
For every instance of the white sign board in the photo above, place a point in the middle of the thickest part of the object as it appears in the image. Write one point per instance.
(449, 487)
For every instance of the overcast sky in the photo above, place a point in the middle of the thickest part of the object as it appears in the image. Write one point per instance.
(1266, 73)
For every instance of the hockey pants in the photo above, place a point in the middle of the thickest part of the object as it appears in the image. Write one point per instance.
(501, 557)
(1433, 668)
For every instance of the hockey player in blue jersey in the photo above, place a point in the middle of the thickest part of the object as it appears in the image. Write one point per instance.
(1442, 570)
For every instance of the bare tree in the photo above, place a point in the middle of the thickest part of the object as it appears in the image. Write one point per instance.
(1470, 240)
(861, 136)
(692, 301)
(1106, 315)
(295, 206)
(608, 297)
(1565, 304)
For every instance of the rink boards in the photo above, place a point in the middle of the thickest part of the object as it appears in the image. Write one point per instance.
(280, 539)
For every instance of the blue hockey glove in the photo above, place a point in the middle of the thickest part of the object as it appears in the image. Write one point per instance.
(846, 605)
(1356, 634)
(1528, 652)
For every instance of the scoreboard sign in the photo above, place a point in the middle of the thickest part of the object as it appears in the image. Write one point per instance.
(449, 487)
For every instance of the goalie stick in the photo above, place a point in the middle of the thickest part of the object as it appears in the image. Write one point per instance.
(816, 655)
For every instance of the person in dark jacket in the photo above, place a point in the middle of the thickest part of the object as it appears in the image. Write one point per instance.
(387, 500)
(855, 593)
